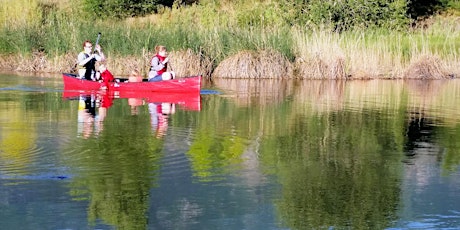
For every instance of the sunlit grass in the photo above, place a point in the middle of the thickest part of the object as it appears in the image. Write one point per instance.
(217, 32)
(17, 13)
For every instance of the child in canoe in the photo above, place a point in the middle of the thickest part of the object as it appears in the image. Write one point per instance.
(159, 66)
(105, 76)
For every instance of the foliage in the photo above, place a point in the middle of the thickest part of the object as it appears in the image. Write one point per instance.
(420, 9)
(120, 8)
(452, 4)
(220, 28)
(345, 15)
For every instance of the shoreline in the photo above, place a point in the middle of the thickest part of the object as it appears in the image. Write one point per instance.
(245, 65)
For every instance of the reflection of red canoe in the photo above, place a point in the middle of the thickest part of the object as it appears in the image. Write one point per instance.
(187, 101)
(180, 85)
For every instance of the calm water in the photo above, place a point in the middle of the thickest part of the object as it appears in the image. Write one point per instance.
(257, 155)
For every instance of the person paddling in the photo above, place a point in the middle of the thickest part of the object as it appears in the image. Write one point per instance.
(87, 60)
(159, 66)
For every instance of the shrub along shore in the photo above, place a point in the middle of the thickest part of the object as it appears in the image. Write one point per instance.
(46, 37)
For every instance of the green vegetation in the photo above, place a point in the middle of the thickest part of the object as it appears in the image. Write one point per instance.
(217, 30)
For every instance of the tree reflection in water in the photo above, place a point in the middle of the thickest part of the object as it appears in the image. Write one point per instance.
(116, 169)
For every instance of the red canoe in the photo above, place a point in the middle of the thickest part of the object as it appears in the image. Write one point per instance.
(180, 85)
(188, 101)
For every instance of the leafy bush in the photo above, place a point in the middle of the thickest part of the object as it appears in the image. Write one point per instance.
(349, 14)
(420, 9)
(122, 8)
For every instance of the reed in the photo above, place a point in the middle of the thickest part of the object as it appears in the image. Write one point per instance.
(17, 13)
(254, 65)
(373, 54)
(219, 39)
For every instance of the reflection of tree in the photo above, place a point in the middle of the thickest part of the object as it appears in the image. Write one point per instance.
(449, 137)
(217, 144)
(17, 139)
(336, 169)
(115, 172)
(337, 147)
(249, 92)
(419, 130)
(210, 153)
(338, 175)
(424, 139)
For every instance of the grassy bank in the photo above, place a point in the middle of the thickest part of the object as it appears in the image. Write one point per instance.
(212, 42)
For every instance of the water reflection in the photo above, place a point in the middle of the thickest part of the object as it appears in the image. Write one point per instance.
(159, 113)
(247, 92)
(135, 104)
(338, 146)
(260, 155)
(116, 162)
(92, 111)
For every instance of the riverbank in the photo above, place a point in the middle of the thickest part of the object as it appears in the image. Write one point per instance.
(331, 62)
(226, 46)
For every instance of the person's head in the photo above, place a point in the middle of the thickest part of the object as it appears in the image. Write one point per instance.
(134, 73)
(161, 50)
(102, 68)
(87, 46)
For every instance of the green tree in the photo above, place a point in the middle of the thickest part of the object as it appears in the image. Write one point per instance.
(122, 8)
(344, 15)
(419, 9)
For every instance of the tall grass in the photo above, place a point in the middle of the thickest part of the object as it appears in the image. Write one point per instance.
(14, 13)
(218, 30)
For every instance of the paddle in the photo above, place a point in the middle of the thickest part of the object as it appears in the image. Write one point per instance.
(97, 41)
(171, 69)
(94, 50)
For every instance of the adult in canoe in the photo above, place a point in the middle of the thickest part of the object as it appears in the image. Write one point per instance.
(87, 60)
(159, 66)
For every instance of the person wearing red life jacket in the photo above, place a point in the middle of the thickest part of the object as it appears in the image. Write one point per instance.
(105, 76)
(159, 66)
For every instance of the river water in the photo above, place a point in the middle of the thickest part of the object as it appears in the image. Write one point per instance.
(268, 154)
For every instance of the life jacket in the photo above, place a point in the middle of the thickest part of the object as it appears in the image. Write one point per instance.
(90, 66)
(107, 77)
(160, 60)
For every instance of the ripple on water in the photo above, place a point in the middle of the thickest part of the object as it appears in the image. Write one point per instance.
(38, 162)
(175, 162)
(448, 221)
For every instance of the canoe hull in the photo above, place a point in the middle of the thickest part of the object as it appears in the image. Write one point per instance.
(181, 85)
(188, 101)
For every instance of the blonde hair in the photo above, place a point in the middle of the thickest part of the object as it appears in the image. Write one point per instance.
(160, 48)
(134, 76)
(134, 73)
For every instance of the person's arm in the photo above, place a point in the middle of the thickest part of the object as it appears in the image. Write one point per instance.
(156, 64)
(82, 59)
(100, 56)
